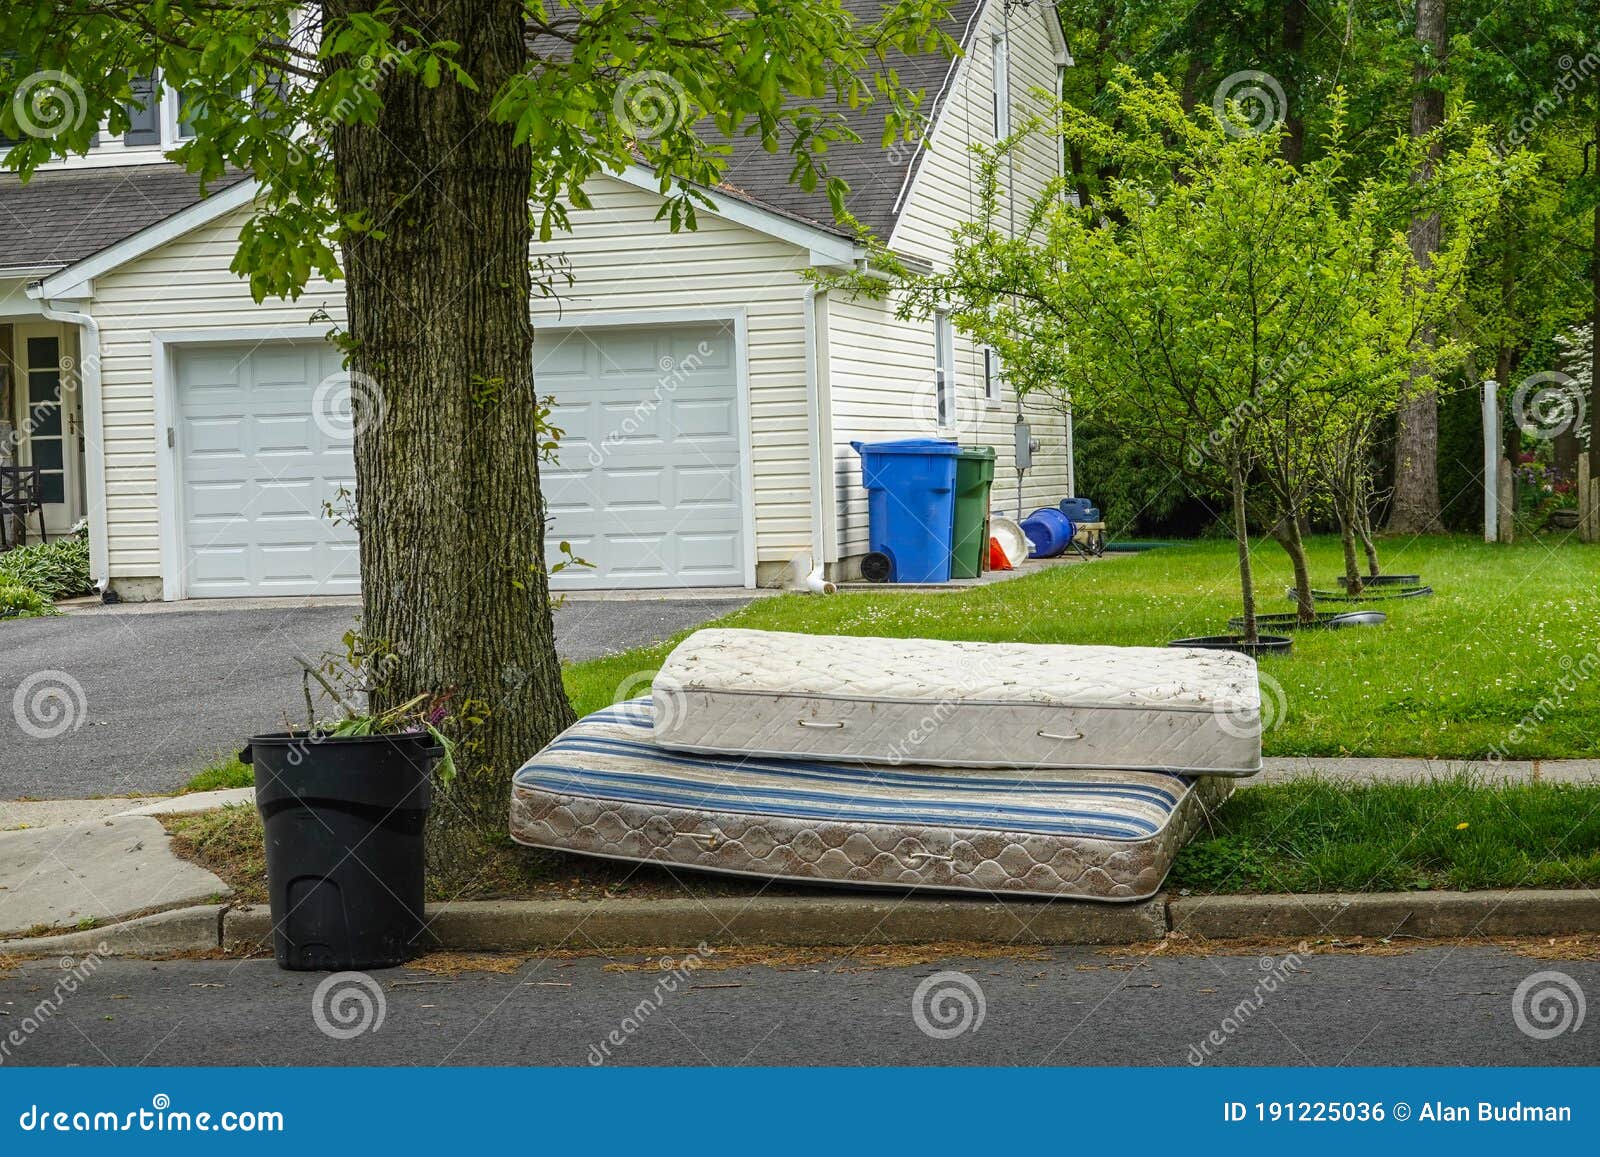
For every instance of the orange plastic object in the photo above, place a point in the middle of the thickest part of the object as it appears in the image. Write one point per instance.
(997, 556)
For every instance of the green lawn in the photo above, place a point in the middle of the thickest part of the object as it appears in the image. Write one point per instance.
(1317, 836)
(1511, 636)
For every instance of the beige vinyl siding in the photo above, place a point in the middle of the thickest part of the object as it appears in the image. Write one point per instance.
(881, 368)
(626, 265)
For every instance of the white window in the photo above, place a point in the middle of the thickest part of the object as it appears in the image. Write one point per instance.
(993, 374)
(1002, 87)
(944, 369)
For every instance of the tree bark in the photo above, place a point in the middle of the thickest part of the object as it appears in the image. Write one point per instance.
(449, 514)
(1416, 485)
(1294, 46)
(1287, 534)
(1241, 534)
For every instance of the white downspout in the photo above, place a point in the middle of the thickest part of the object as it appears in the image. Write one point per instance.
(814, 425)
(94, 464)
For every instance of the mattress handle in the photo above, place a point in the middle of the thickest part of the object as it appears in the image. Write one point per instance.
(1053, 735)
(831, 726)
(927, 856)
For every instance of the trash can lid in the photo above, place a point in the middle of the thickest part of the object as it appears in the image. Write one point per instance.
(977, 451)
(926, 446)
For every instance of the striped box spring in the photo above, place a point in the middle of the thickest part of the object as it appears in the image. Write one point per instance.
(604, 788)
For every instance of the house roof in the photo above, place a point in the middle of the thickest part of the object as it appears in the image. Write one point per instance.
(876, 175)
(64, 215)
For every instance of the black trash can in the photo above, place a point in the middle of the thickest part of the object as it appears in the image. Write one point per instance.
(344, 820)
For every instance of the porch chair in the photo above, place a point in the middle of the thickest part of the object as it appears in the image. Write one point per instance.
(19, 497)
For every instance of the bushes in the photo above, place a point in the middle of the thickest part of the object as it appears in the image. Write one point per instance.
(22, 603)
(56, 570)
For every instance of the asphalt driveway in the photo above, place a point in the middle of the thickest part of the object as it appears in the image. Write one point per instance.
(159, 695)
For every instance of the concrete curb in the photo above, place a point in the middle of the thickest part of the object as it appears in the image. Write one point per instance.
(196, 929)
(847, 921)
(517, 925)
(1489, 913)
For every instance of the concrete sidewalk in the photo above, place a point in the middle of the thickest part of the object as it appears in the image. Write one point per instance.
(76, 863)
(1280, 769)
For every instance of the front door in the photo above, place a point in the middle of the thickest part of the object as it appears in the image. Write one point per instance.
(48, 397)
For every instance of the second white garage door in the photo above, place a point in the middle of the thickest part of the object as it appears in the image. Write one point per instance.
(261, 446)
(648, 487)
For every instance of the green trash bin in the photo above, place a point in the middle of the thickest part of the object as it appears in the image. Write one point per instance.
(969, 539)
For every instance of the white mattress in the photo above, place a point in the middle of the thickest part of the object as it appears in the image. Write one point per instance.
(952, 704)
(604, 788)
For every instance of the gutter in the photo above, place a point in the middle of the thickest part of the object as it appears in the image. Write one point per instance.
(94, 460)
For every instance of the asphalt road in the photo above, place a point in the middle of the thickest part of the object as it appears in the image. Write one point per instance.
(1432, 1007)
(153, 697)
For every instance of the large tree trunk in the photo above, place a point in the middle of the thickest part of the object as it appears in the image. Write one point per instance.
(447, 446)
(1293, 53)
(1416, 483)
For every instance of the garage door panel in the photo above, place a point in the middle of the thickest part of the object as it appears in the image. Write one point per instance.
(256, 468)
(707, 488)
(709, 556)
(649, 483)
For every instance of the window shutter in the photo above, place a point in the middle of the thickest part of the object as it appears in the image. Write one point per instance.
(144, 126)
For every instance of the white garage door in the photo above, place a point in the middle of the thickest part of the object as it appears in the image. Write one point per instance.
(648, 486)
(256, 464)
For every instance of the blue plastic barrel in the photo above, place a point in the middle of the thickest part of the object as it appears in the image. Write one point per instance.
(1049, 531)
(1080, 510)
(911, 505)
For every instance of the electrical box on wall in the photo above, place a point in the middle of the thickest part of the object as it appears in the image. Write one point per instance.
(1026, 444)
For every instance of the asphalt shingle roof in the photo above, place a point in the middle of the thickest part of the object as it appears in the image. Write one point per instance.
(64, 215)
(875, 175)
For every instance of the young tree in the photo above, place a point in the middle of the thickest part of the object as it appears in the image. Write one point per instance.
(1216, 307)
(416, 149)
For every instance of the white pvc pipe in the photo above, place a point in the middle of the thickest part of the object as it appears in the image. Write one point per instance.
(1491, 460)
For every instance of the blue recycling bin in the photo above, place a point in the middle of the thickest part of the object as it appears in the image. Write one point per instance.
(911, 505)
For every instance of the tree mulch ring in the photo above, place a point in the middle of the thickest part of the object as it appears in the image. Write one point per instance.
(1384, 580)
(1264, 645)
(1376, 596)
(1290, 620)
